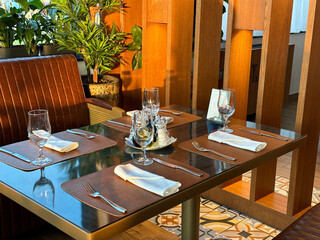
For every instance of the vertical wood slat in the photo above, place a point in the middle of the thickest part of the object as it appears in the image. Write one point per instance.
(131, 80)
(206, 51)
(179, 55)
(237, 68)
(273, 65)
(157, 11)
(308, 117)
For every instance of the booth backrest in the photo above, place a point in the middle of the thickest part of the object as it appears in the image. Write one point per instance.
(51, 83)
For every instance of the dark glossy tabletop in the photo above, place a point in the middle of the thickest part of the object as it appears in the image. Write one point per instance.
(51, 196)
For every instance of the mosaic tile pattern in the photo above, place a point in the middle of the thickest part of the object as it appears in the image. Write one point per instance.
(218, 222)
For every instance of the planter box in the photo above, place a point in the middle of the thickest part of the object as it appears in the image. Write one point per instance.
(54, 50)
(16, 51)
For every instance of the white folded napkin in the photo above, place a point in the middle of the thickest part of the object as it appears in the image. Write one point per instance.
(146, 180)
(61, 145)
(55, 143)
(168, 119)
(237, 141)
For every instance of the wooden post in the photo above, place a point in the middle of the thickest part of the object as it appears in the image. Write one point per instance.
(308, 117)
(206, 51)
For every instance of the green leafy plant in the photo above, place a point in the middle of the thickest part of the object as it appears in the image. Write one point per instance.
(136, 46)
(78, 28)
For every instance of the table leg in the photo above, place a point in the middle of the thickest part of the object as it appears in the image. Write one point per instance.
(190, 218)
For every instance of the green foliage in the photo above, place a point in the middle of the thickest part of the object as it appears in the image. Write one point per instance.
(76, 30)
(136, 45)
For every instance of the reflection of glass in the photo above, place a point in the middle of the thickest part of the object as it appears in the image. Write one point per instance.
(143, 131)
(151, 100)
(226, 107)
(43, 190)
(39, 131)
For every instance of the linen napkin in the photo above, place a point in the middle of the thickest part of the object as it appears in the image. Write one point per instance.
(57, 144)
(237, 141)
(146, 180)
(168, 119)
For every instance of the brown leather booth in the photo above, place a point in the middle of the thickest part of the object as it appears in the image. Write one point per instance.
(52, 83)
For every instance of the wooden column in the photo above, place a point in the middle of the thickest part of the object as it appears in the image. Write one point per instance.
(167, 49)
(206, 51)
(308, 116)
(273, 66)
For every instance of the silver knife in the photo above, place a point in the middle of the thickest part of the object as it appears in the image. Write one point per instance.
(17, 155)
(264, 134)
(198, 174)
(122, 124)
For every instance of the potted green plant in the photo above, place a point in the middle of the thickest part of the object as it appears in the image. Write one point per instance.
(78, 28)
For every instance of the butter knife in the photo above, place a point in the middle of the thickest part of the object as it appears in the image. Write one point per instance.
(122, 124)
(198, 174)
(264, 134)
(17, 155)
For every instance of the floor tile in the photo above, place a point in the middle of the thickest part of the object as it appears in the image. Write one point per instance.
(243, 231)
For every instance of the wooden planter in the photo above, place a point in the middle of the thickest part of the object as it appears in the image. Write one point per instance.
(109, 91)
(16, 51)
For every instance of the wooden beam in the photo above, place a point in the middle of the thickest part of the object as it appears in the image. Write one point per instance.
(206, 51)
(308, 116)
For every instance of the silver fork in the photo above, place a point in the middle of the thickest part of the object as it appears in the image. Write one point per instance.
(174, 113)
(93, 193)
(82, 134)
(202, 149)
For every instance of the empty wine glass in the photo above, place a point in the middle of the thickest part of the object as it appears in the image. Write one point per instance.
(226, 107)
(43, 190)
(151, 100)
(39, 131)
(143, 131)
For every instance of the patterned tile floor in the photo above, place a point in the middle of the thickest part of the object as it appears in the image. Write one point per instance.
(218, 222)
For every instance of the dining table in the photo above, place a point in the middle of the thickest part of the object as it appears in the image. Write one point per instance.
(41, 192)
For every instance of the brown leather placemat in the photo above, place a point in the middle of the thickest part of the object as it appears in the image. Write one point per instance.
(30, 150)
(177, 120)
(125, 193)
(241, 154)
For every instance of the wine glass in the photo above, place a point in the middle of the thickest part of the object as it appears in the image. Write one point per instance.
(39, 131)
(226, 107)
(143, 132)
(151, 100)
(43, 190)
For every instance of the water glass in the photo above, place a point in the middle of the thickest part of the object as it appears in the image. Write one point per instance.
(226, 107)
(39, 132)
(143, 132)
(151, 100)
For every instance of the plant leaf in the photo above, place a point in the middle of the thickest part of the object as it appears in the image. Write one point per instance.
(136, 32)
(137, 61)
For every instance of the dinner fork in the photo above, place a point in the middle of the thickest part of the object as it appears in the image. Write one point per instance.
(93, 193)
(174, 113)
(202, 149)
(82, 134)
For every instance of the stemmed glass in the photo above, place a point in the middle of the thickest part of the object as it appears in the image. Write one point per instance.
(143, 131)
(151, 100)
(226, 107)
(43, 190)
(39, 131)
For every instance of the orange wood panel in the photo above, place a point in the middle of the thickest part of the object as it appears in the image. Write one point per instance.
(308, 116)
(275, 201)
(206, 51)
(237, 68)
(240, 188)
(179, 52)
(154, 57)
(249, 14)
(273, 66)
(131, 80)
(158, 11)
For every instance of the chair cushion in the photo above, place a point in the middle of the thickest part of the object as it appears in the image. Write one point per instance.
(51, 83)
(307, 227)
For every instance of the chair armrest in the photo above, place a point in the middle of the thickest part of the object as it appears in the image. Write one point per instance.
(100, 111)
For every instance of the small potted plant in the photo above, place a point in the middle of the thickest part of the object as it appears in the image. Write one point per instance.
(78, 28)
